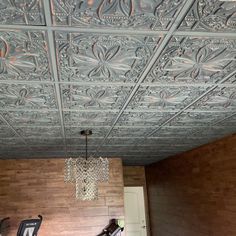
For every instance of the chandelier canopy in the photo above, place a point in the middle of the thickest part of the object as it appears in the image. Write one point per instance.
(86, 172)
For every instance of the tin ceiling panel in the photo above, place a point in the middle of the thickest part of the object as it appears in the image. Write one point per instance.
(6, 132)
(164, 98)
(24, 56)
(145, 14)
(32, 118)
(75, 118)
(94, 97)
(45, 141)
(27, 96)
(151, 78)
(197, 60)
(103, 58)
(220, 99)
(38, 131)
(143, 118)
(214, 15)
(26, 12)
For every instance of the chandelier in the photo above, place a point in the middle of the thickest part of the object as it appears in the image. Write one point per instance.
(86, 172)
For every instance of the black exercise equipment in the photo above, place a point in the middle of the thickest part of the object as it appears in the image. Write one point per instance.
(4, 226)
(29, 227)
(112, 229)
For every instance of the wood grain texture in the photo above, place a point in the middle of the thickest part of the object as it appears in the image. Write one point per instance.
(32, 187)
(135, 176)
(195, 193)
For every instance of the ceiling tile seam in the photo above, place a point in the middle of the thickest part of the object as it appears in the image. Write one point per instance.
(207, 34)
(27, 110)
(144, 110)
(214, 124)
(14, 130)
(168, 126)
(224, 119)
(57, 86)
(37, 126)
(151, 85)
(131, 126)
(193, 102)
(118, 84)
(81, 148)
(119, 31)
(153, 137)
(56, 110)
(52, 55)
(178, 19)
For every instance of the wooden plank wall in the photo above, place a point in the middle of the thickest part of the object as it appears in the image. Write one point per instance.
(195, 193)
(32, 187)
(135, 176)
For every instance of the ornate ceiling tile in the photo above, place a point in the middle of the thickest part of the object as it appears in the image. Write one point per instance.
(1, 122)
(211, 15)
(11, 142)
(196, 119)
(143, 154)
(32, 118)
(122, 141)
(25, 12)
(23, 56)
(38, 131)
(42, 141)
(93, 141)
(214, 132)
(144, 150)
(159, 146)
(118, 149)
(130, 132)
(102, 58)
(173, 141)
(74, 132)
(230, 121)
(148, 85)
(16, 152)
(231, 81)
(173, 131)
(6, 132)
(220, 99)
(143, 14)
(143, 118)
(47, 148)
(164, 98)
(81, 148)
(194, 60)
(94, 97)
(26, 96)
(76, 153)
(41, 154)
(89, 118)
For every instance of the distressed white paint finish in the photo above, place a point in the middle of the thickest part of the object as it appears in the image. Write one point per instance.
(150, 78)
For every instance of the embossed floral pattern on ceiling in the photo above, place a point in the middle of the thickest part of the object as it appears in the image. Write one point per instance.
(151, 78)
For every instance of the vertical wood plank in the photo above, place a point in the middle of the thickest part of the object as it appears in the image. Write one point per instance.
(195, 193)
(32, 187)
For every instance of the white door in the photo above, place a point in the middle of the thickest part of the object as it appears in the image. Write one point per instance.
(135, 222)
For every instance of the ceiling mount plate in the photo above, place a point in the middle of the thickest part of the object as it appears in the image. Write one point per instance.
(86, 132)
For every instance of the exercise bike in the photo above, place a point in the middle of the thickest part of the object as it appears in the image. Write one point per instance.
(4, 226)
(113, 229)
